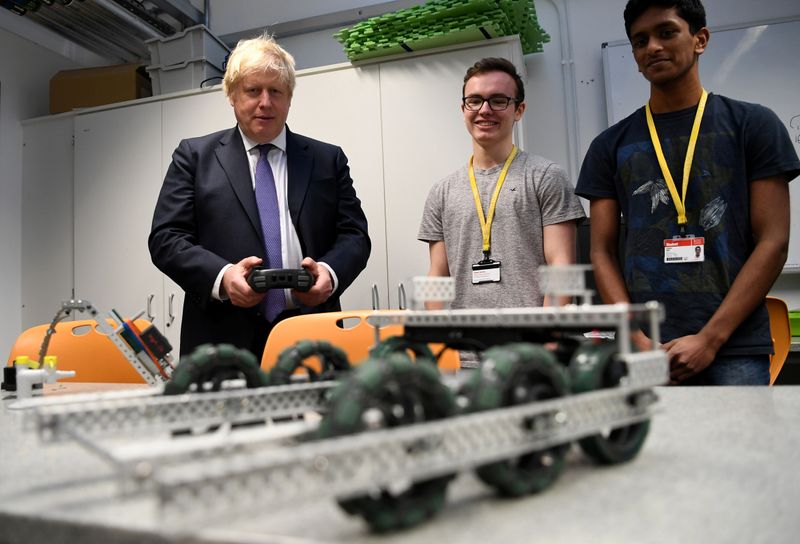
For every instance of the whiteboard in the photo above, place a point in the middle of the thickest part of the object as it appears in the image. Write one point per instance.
(755, 63)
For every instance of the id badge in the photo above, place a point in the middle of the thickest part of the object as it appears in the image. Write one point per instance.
(486, 272)
(689, 249)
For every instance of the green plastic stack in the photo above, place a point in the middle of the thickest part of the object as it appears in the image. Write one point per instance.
(443, 22)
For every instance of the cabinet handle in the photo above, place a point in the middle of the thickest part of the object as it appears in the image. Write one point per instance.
(150, 316)
(169, 310)
(376, 303)
(401, 296)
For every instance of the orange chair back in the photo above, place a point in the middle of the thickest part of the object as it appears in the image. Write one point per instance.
(348, 331)
(79, 346)
(781, 335)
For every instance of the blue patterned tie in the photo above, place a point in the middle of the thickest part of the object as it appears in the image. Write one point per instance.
(268, 211)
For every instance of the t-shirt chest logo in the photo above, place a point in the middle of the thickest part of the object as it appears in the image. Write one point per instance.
(657, 190)
(711, 214)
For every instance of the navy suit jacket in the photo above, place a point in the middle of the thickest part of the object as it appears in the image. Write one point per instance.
(206, 217)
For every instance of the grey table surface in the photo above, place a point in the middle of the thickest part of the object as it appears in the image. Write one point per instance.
(720, 465)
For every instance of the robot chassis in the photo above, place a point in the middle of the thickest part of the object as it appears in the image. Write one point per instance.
(512, 420)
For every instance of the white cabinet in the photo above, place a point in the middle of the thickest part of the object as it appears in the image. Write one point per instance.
(47, 212)
(117, 178)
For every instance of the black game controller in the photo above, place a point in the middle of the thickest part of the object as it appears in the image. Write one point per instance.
(260, 279)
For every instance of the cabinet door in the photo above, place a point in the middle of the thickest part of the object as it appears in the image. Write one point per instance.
(342, 106)
(117, 178)
(47, 218)
(424, 139)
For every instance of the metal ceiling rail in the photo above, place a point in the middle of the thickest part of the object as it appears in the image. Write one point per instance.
(114, 29)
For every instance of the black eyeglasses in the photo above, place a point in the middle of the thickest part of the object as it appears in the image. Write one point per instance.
(496, 103)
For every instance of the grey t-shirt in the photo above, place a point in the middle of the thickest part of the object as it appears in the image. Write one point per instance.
(536, 193)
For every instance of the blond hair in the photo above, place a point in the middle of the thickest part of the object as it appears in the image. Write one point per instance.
(258, 55)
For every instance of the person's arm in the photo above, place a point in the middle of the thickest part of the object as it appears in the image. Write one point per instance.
(438, 257)
(769, 222)
(438, 267)
(174, 238)
(560, 210)
(604, 243)
(559, 249)
(350, 249)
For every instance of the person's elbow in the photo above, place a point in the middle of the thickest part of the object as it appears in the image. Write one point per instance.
(777, 246)
(365, 249)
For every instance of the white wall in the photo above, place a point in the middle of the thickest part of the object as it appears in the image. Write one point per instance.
(228, 16)
(310, 49)
(25, 71)
(314, 49)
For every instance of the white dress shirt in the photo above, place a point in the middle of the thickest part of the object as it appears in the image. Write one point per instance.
(291, 253)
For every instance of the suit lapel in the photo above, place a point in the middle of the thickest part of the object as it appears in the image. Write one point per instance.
(299, 163)
(233, 159)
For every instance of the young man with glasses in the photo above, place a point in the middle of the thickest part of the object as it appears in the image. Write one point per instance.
(492, 223)
(691, 170)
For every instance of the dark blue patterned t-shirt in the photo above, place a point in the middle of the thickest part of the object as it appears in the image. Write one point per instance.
(738, 143)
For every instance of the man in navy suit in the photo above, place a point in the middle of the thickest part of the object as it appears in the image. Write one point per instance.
(210, 224)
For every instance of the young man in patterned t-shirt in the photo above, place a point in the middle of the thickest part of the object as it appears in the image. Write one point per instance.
(733, 205)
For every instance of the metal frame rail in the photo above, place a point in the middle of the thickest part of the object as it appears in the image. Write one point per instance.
(616, 316)
(145, 368)
(124, 415)
(126, 412)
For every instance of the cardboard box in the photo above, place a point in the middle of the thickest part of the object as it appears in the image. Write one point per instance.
(90, 87)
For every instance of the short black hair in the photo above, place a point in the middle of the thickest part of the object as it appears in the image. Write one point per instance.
(496, 64)
(691, 11)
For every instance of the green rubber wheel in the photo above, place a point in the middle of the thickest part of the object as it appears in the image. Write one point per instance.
(395, 344)
(208, 366)
(333, 360)
(510, 375)
(596, 366)
(383, 393)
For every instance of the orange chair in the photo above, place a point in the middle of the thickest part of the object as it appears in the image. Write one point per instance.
(781, 335)
(348, 331)
(79, 346)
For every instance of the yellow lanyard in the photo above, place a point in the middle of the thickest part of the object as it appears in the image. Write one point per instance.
(486, 223)
(679, 200)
